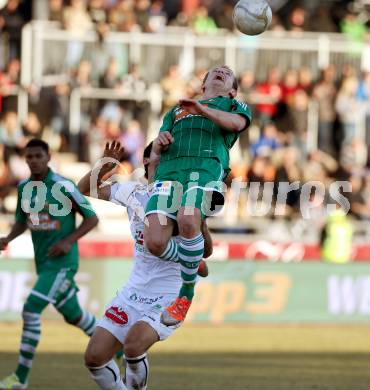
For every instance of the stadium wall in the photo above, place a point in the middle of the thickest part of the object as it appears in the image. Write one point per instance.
(235, 292)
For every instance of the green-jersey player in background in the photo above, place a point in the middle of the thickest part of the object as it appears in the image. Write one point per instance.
(195, 140)
(47, 205)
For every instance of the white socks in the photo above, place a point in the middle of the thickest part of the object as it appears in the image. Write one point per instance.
(137, 371)
(108, 377)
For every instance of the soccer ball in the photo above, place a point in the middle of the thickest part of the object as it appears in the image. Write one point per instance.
(252, 17)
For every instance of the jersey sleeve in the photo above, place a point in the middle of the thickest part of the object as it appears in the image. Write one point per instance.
(242, 108)
(20, 215)
(167, 123)
(83, 205)
(121, 193)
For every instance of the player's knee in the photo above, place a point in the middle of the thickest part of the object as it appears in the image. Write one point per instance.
(156, 245)
(189, 225)
(94, 357)
(133, 348)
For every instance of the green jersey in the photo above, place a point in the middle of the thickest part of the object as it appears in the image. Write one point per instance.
(49, 208)
(197, 136)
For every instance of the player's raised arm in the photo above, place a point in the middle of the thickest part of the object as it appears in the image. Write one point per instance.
(92, 183)
(161, 143)
(231, 121)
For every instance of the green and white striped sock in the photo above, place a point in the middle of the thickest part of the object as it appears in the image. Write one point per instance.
(190, 254)
(171, 252)
(87, 323)
(29, 341)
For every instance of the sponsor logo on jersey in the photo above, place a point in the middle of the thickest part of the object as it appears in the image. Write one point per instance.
(42, 222)
(145, 300)
(181, 114)
(117, 315)
(162, 188)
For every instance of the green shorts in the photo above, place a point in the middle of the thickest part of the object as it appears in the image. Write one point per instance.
(56, 287)
(187, 181)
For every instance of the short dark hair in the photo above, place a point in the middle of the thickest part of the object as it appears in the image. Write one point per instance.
(235, 82)
(148, 150)
(33, 143)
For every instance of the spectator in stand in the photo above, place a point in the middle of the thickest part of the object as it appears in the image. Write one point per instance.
(322, 21)
(194, 85)
(363, 95)
(202, 23)
(82, 75)
(11, 22)
(60, 110)
(268, 95)
(9, 79)
(319, 167)
(261, 171)
(354, 27)
(324, 93)
(297, 20)
(6, 180)
(111, 78)
(96, 139)
(141, 10)
(268, 142)
(31, 127)
(97, 12)
(77, 20)
(224, 16)
(10, 132)
(288, 171)
(133, 82)
(360, 197)
(289, 86)
(56, 11)
(247, 85)
(133, 139)
(350, 110)
(157, 16)
(299, 116)
(122, 16)
(354, 155)
(173, 86)
(305, 79)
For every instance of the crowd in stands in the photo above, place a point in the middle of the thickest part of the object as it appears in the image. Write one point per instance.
(273, 150)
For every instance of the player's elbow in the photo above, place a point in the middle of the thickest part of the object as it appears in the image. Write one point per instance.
(92, 221)
(208, 250)
(240, 124)
(83, 189)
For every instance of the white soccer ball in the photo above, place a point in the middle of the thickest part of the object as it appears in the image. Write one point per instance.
(252, 17)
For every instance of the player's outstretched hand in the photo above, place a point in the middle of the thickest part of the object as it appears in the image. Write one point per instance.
(60, 248)
(114, 150)
(3, 243)
(192, 106)
(162, 142)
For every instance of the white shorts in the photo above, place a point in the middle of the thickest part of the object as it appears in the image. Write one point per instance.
(130, 306)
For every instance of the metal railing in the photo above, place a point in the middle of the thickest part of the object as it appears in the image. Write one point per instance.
(155, 52)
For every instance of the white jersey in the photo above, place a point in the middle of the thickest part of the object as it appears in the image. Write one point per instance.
(149, 274)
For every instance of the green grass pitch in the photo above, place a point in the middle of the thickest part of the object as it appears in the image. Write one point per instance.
(202, 357)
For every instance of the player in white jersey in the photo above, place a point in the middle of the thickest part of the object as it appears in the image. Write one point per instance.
(132, 319)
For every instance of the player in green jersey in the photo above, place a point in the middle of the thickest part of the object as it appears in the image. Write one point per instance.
(47, 205)
(194, 141)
